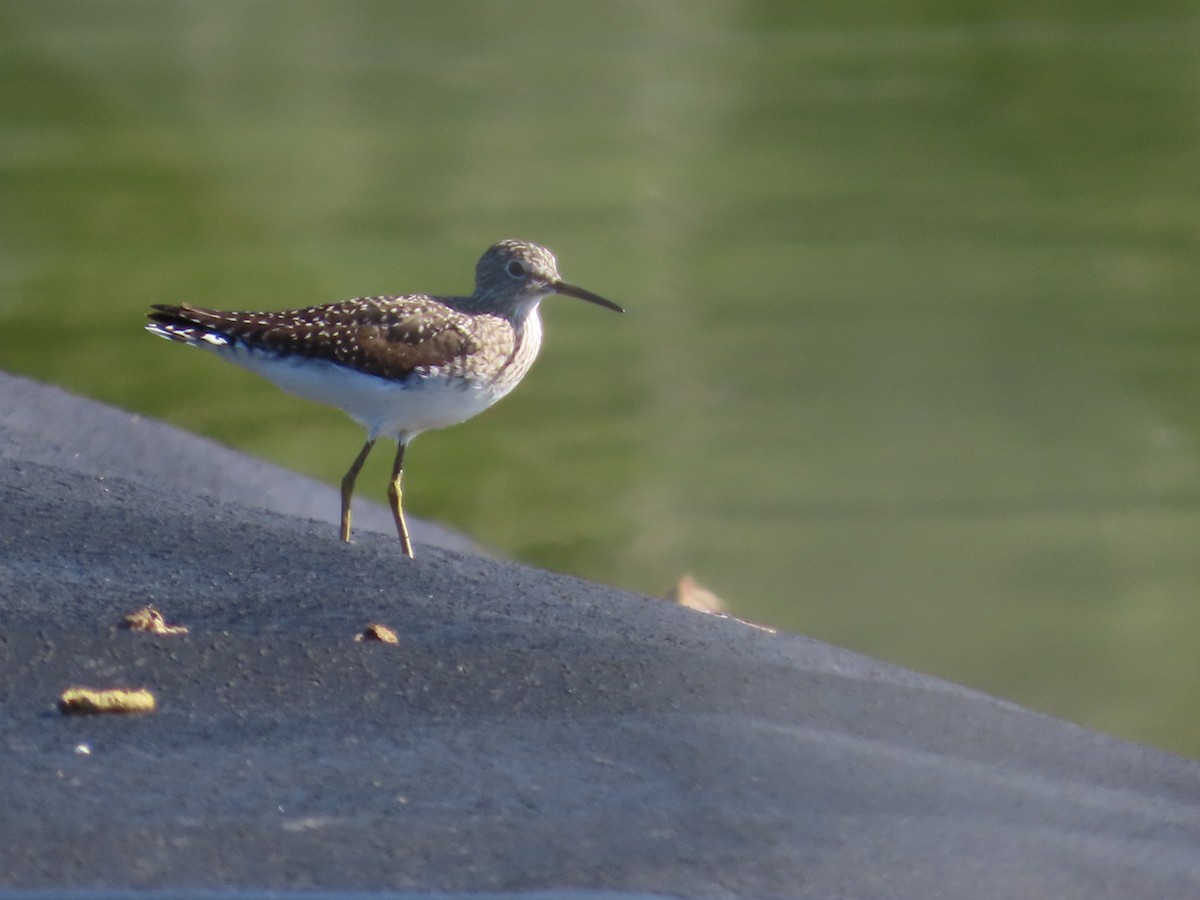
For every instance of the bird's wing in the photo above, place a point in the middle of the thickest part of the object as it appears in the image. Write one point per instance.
(386, 336)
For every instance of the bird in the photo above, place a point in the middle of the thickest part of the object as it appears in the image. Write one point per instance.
(399, 365)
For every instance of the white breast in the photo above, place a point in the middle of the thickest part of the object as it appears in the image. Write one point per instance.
(401, 409)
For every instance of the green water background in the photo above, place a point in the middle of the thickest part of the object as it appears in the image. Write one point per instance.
(913, 351)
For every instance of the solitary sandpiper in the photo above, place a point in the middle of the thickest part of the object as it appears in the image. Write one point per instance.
(396, 365)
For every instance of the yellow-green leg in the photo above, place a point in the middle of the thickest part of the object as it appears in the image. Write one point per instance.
(396, 497)
(348, 486)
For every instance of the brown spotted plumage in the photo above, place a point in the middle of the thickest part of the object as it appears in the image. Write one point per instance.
(400, 365)
(390, 337)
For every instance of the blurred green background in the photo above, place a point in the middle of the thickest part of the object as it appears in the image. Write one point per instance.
(913, 351)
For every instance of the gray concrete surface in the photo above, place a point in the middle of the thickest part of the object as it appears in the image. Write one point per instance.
(48, 425)
(531, 732)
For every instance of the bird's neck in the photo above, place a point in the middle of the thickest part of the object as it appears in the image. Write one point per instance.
(515, 311)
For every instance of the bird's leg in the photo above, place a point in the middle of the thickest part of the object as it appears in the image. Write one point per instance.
(396, 497)
(348, 486)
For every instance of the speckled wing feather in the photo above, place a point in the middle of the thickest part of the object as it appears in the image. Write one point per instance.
(385, 336)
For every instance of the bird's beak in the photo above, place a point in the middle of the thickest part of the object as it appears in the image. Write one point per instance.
(569, 290)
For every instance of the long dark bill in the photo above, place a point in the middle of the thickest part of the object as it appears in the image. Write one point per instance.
(569, 290)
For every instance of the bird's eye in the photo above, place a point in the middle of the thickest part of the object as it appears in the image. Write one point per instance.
(516, 269)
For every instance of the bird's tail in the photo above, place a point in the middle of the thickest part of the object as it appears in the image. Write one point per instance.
(185, 324)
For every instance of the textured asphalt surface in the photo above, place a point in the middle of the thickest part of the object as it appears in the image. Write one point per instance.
(529, 733)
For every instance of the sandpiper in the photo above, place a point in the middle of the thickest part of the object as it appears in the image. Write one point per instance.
(397, 365)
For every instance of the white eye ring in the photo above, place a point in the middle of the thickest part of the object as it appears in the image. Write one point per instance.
(516, 269)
